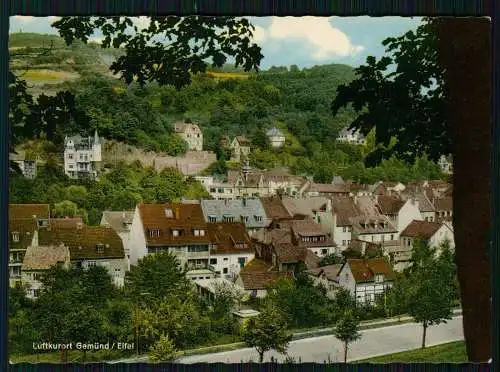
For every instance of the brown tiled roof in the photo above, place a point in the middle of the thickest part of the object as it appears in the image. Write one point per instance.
(424, 204)
(371, 249)
(306, 227)
(330, 271)
(304, 206)
(438, 184)
(257, 281)
(70, 223)
(449, 191)
(444, 204)
(328, 188)
(345, 209)
(182, 127)
(185, 217)
(26, 228)
(288, 253)
(389, 204)
(243, 141)
(421, 229)
(41, 211)
(274, 208)
(82, 242)
(43, 258)
(226, 235)
(311, 260)
(364, 270)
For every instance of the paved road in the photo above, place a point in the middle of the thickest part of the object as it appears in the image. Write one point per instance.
(374, 342)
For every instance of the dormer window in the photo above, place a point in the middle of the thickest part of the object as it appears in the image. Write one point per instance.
(258, 218)
(168, 213)
(154, 233)
(197, 232)
(227, 218)
(100, 248)
(379, 278)
(15, 237)
(212, 219)
(244, 219)
(176, 233)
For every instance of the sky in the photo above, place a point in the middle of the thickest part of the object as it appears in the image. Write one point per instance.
(301, 41)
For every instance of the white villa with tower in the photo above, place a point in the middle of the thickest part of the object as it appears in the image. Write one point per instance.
(82, 156)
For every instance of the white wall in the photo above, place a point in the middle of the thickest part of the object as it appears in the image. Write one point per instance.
(116, 268)
(229, 262)
(136, 243)
(408, 213)
(441, 235)
(341, 237)
(346, 279)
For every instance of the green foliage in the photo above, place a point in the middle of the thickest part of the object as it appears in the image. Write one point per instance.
(428, 289)
(268, 331)
(65, 208)
(406, 103)
(163, 350)
(331, 259)
(347, 329)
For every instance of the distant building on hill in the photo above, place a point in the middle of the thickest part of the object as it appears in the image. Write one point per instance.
(192, 134)
(82, 156)
(276, 137)
(351, 136)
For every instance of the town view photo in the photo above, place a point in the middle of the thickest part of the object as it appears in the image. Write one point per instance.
(217, 189)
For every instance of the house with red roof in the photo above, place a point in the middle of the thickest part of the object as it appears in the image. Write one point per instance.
(367, 279)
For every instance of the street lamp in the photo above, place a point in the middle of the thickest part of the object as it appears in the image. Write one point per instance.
(143, 294)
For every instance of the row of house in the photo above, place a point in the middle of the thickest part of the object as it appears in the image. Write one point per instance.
(219, 238)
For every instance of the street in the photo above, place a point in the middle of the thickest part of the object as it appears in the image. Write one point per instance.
(374, 342)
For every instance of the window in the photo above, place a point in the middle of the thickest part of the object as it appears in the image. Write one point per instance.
(348, 242)
(71, 166)
(224, 270)
(197, 248)
(242, 261)
(258, 218)
(213, 261)
(175, 232)
(220, 191)
(15, 237)
(344, 229)
(100, 248)
(91, 263)
(227, 218)
(70, 156)
(212, 189)
(212, 219)
(154, 233)
(379, 278)
(36, 293)
(343, 242)
(196, 232)
(244, 219)
(392, 236)
(225, 258)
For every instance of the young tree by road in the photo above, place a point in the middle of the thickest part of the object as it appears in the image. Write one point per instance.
(163, 350)
(347, 330)
(268, 331)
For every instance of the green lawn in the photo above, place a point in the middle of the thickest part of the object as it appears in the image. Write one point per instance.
(453, 352)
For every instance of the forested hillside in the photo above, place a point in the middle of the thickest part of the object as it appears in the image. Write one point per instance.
(224, 101)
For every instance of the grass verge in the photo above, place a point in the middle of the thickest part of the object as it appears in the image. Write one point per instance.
(453, 352)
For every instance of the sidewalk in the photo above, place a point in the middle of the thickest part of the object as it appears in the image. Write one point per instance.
(369, 324)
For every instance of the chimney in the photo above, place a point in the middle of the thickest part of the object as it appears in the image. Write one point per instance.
(355, 199)
(329, 205)
(79, 225)
(363, 248)
(177, 213)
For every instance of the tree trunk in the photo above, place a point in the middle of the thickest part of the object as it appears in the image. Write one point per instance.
(424, 334)
(261, 356)
(345, 351)
(464, 51)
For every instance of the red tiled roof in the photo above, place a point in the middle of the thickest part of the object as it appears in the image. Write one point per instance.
(43, 258)
(41, 211)
(256, 275)
(345, 209)
(389, 204)
(364, 270)
(444, 204)
(82, 242)
(421, 229)
(26, 228)
(173, 216)
(226, 235)
(274, 208)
